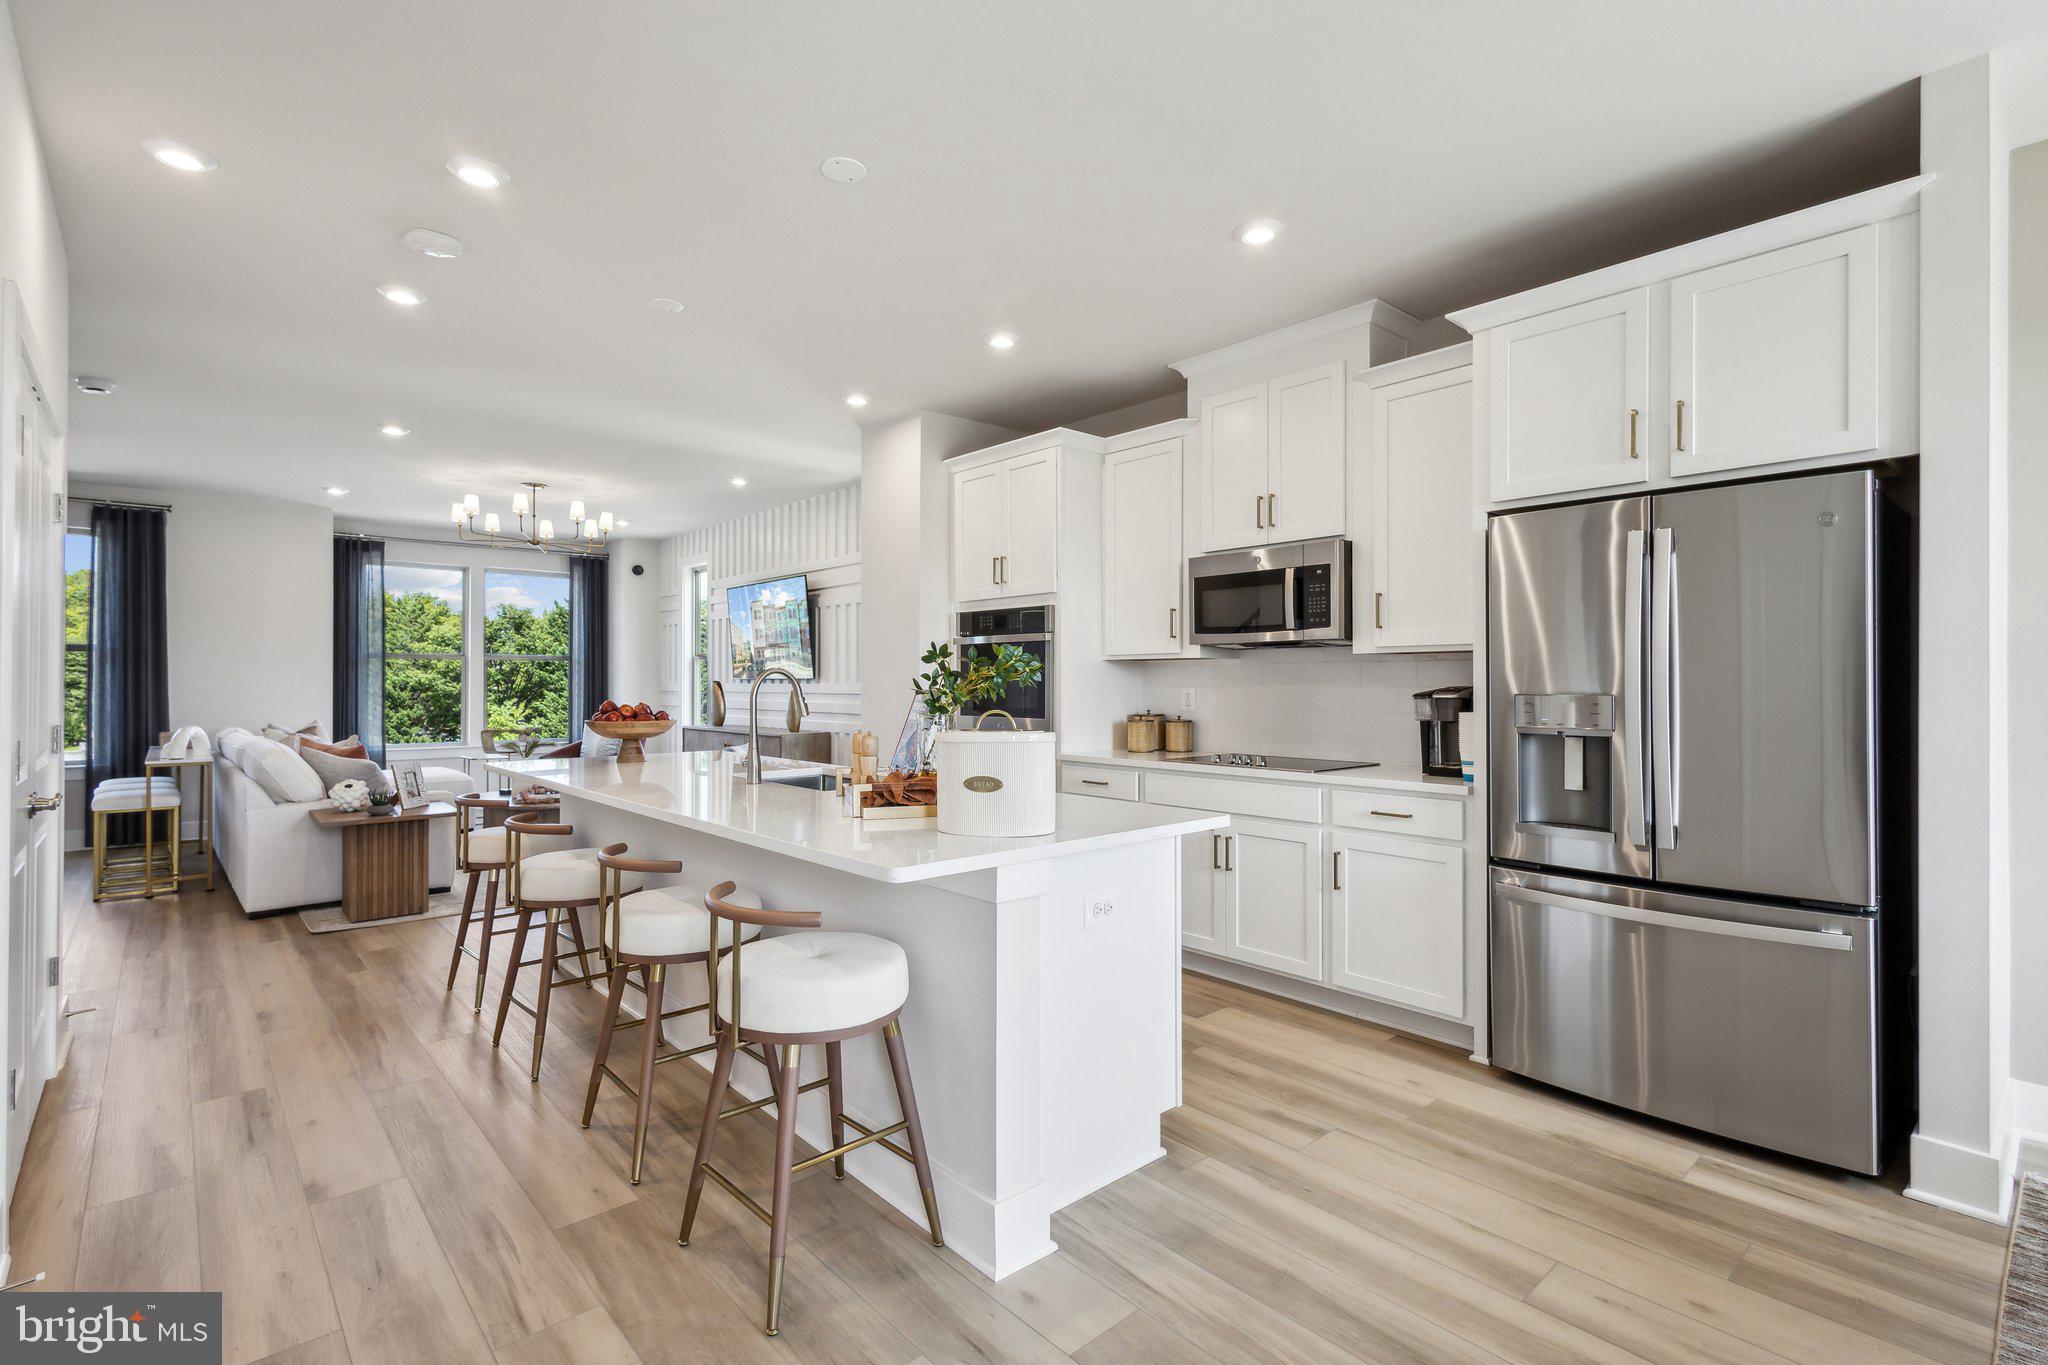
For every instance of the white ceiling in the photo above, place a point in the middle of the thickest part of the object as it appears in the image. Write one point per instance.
(1069, 170)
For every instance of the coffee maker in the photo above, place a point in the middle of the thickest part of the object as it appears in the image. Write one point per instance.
(1437, 710)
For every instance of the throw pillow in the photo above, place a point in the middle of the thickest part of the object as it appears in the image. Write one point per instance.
(332, 768)
(282, 774)
(352, 747)
(292, 736)
(596, 745)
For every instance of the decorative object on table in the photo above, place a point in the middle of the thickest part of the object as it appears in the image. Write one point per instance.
(587, 534)
(864, 752)
(944, 689)
(187, 741)
(897, 795)
(997, 784)
(405, 775)
(717, 703)
(522, 741)
(1141, 733)
(383, 802)
(2022, 1333)
(632, 725)
(1179, 735)
(350, 795)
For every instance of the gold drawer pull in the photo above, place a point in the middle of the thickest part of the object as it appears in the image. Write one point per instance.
(1095, 782)
(1632, 414)
(1395, 814)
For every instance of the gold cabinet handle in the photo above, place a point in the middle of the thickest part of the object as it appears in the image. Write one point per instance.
(1259, 511)
(1215, 859)
(1681, 424)
(1173, 624)
(1632, 415)
(995, 570)
(1337, 870)
(1395, 814)
(1272, 510)
(1378, 622)
(1229, 853)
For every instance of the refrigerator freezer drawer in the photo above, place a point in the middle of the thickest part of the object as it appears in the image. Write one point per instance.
(1754, 1022)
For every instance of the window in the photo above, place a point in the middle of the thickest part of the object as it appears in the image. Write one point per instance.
(77, 640)
(700, 646)
(422, 654)
(526, 651)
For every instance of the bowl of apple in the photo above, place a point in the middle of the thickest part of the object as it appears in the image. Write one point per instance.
(632, 724)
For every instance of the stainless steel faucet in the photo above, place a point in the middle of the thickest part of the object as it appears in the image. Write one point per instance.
(798, 709)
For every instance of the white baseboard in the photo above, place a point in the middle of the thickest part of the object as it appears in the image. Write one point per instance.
(2030, 1127)
(1448, 1031)
(1962, 1179)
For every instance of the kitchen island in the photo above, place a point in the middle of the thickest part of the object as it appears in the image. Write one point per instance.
(1043, 1024)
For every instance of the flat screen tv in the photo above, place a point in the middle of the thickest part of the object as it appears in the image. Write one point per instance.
(770, 624)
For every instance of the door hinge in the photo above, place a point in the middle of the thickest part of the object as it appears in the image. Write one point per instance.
(54, 969)
(57, 737)
(57, 510)
(13, 1082)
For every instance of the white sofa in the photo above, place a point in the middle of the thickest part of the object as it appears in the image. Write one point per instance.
(277, 858)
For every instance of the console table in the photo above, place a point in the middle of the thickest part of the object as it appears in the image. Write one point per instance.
(383, 859)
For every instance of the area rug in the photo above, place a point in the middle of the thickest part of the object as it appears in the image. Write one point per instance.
(328, 919)
(2023, 1306)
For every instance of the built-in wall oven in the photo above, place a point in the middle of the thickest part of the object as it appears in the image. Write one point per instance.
(1294, 594)
(1028, 628)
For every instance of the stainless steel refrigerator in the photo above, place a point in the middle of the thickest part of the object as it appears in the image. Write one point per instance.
(1701, 866)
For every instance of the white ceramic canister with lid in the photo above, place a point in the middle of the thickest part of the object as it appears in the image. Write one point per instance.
(998, 784)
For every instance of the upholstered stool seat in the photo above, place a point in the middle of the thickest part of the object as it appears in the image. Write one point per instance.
(566, 874)
(109, 797)
(149, 798)
(489, 847)
(818, 982)
(671, 921)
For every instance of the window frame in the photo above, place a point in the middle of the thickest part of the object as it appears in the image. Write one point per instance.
(461, 657)
(697, 631)
(75, 760)
(487, 657)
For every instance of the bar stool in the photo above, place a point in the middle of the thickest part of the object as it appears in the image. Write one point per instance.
(149, 798)
(803, 988)
(649, 932)
(548, 884)
(483, 854)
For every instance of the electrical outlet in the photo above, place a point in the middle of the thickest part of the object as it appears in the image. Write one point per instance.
(1097, 909)
(1187, 699)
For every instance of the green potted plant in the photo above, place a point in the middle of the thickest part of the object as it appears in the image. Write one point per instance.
(946, 688)
(383, 801)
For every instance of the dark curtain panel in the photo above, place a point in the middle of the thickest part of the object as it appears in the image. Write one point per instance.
(129, 681)
(589, 632)
(359, 641)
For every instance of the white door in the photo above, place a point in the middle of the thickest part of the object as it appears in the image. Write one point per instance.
(1397, 929)
(979, 524)
(1422, 538)
(1775, 357)
(1305, 454)
(31, 730)
(1570, 400)
(1276, 874)
(1202, 892)
(1031, 537)
(1142, 561)
(1234, 468)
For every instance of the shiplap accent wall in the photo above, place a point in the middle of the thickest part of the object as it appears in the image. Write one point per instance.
(818, 537)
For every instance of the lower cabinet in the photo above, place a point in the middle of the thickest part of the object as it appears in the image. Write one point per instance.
(1397, 921)
(1204, 897)
(1275, 873)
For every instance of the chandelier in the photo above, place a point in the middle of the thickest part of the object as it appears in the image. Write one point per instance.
(531, 530)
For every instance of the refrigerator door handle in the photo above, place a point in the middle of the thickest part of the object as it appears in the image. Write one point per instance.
(1635, 813)
(1834, 940)
(1663, 685)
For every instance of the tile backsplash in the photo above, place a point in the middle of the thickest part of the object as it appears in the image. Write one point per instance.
(1313, 703)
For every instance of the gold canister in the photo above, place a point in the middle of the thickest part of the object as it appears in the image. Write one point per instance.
(1179, 733)
(1141, 733)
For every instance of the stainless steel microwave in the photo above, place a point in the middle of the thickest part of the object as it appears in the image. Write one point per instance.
(1294, 594)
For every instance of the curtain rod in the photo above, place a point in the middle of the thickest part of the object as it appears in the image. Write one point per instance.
(116, 502)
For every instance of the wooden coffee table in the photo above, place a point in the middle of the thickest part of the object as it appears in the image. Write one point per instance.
(383, 859)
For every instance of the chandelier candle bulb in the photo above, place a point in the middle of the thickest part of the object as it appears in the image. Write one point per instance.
(576, 510)
(604, 522)
(455, 513)
(547, 530)
(471, 504)
(490, 523)
(519, 507)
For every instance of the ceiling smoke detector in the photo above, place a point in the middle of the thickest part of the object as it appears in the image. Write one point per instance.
(665, 305)
(428, 242)
(843, 169)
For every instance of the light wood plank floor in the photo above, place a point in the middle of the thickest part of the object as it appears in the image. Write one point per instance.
(311, 1125)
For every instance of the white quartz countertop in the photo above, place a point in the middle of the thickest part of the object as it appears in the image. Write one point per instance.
(1397, 777)
(706, 792)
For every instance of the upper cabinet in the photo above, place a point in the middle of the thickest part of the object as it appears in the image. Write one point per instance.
(1792, 341)
(1276, 459)
(1142, 555)
(1006, 525)
(1423, 551)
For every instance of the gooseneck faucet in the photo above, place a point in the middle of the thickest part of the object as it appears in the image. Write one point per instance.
(798, 709)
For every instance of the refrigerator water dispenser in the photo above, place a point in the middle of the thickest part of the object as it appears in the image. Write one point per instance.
(1563, 756)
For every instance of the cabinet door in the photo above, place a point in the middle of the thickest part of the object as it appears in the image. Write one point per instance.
(1276, 874)
(1775, 357)
(1422, 539)
(1398, 921)
(1234, 468)
(979, 523)
(1031, 525)
(1141, 551)
(1305, 454)
(1201, 893)
(1570, 403)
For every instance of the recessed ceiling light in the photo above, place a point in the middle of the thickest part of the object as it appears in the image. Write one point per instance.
(1002, 341)
(666, 305)
(428, 242)
(337, 492)
(405, 296)
(844, 169)
(737, 482)
(621, 523)
(85, 383)
(180, 157)
(856, 400)
(477, 173)
(393, 429)
(1258, 232)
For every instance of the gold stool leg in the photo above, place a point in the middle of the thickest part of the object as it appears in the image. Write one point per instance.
(99, 855)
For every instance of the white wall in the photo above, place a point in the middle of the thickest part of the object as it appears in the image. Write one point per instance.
(635, 655)
(2027, 494)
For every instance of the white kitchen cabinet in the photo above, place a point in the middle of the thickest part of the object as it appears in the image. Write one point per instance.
(1775, 357)
(1274, 456)
(1275, 875)
(1006, 527)
(1203, 893)
(1142, 557)
(1570, 397)
(1422, 533)
(1398, 921)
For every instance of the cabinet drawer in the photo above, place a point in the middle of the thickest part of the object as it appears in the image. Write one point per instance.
(1424, 817)
(1265, 800)
(1119, 784)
